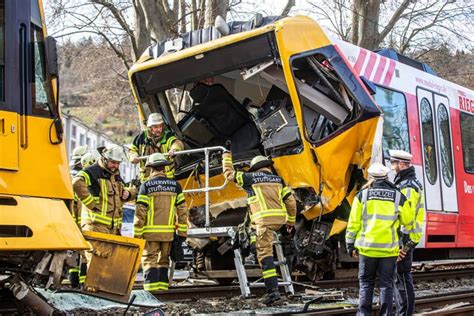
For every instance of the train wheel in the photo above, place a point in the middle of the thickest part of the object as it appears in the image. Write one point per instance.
(221, 262)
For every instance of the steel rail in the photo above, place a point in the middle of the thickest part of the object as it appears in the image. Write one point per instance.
(206, 291)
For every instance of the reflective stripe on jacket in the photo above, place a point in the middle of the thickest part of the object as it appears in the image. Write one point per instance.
(161, 209)
(374, 219)
(269, 201)
(412, 189)
(142, 145)
(76, 204)
(100, 193)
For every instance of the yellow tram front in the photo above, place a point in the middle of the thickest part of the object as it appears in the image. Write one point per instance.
(265, 87)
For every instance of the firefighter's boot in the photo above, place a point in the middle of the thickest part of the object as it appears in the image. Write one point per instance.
(82, 273)
(271, 297)
(270, 277)
(163, 282)
(74, 277)
(151, 279)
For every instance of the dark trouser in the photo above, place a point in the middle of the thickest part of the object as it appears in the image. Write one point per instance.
(405, 292)
(369, 268)
(270, 277)
(156, 279)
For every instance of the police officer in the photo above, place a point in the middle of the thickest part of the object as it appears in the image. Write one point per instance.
(156, 138)
(160, 205)
(271, 206)
(408, 184)
(371, 234)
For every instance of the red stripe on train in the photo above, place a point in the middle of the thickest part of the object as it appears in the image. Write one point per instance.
(370, 65)
(360, 60)
(390, 71)
(380, 69)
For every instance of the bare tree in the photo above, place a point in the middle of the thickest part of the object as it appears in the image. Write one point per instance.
(129, 26)
(403, 24)
(94, 71)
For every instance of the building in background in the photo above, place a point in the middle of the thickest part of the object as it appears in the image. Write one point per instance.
(77, 133)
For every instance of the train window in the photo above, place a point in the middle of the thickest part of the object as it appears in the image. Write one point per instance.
(445, 145)
(41, 85)
(429, 149)
(395, 127)
(467, 138)
(2, 50)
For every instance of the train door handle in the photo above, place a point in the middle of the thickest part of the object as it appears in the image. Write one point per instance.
(23, 87)
(2, 126)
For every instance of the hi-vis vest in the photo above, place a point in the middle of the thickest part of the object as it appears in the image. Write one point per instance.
(413, 191)
(375, 217)
(160, 210)
(144, 146)
(101, 202)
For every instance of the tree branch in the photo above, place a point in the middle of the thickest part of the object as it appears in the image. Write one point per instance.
(120, 19)
(289, 4)
(394, 19)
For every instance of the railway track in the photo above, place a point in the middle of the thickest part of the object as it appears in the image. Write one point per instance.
(428, 304)
(417, 276)
(207, 291)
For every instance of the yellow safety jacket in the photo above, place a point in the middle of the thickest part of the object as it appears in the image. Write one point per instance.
(142, 145)
(160, 210)
(269, 201)
(375, 217)
(413, 190)
(76, 204)
(100, 192)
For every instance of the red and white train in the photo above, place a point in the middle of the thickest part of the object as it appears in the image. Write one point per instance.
(433, 119)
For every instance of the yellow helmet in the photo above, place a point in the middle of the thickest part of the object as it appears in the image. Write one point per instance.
(78, 152)
(157, 160)
(259, 162)
(154, 119)
(113, 152)
(88, 159)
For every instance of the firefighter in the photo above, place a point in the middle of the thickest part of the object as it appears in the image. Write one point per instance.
(371, 234)
(75, 163)
(272, 205)
(160, 205)
(409, 185)
(102, 193)
(156, 138)
(75, 166)
(86, 160)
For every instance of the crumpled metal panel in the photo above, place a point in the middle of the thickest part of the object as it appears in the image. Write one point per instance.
(114, 265)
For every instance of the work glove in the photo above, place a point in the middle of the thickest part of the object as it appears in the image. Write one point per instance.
(351, 250)
(177, 253)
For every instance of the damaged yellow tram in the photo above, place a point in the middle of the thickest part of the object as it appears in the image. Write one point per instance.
(275, 87)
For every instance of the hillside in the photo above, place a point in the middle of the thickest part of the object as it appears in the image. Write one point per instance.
(94, 87)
